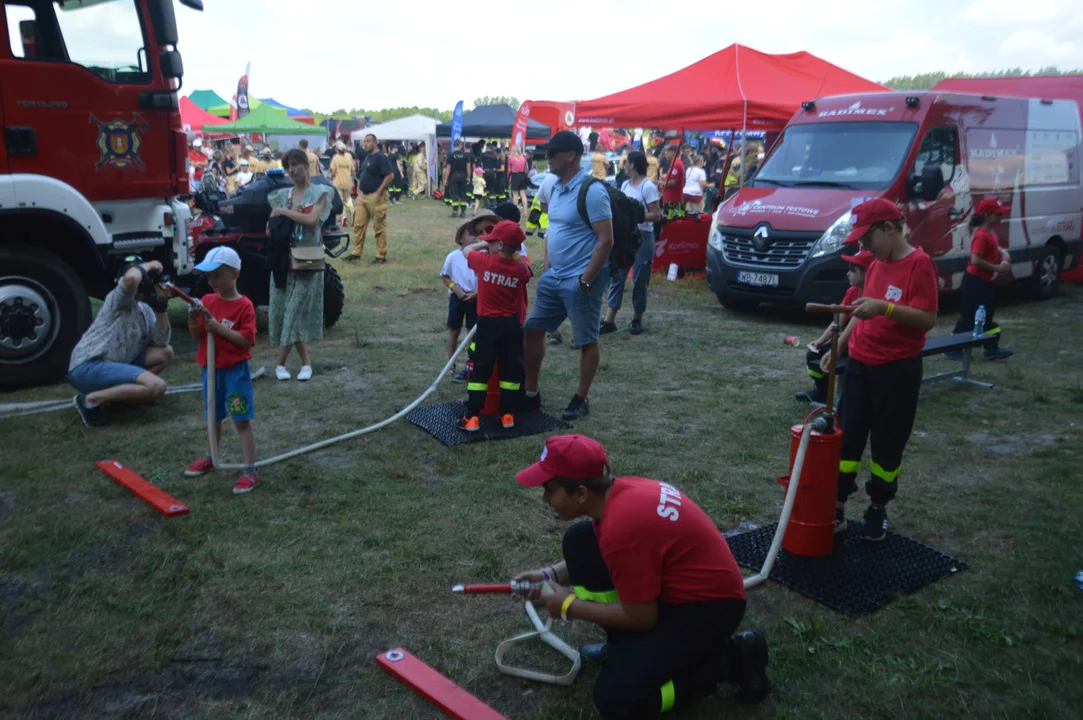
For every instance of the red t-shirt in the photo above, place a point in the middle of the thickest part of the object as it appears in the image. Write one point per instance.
(911, 281)
(500, 284)
(852, 293)
(197, 156)
(658, 545)
(239, 315)
(985, 246)
(675, 175)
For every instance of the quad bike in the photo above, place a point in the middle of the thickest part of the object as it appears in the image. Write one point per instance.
(240, 222)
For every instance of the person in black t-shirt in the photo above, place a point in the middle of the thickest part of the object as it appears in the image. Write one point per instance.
(398, 185)
(458, 170)
(374, 178)
(490, 163)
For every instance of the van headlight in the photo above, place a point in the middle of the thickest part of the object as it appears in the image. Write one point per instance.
(831, 241)
(714, 238)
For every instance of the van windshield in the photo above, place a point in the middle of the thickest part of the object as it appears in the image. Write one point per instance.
(857, 155)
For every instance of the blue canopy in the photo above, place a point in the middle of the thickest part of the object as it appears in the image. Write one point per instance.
(290, 111)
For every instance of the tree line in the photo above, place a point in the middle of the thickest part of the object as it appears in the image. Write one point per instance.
(926, 81)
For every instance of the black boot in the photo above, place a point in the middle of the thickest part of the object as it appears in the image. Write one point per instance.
(596, 653)
(747, 665)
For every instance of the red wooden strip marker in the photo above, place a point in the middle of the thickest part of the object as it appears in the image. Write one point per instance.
(434, 687)
(150, 494)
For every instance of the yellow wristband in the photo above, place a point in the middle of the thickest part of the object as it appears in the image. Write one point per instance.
(451, 286)
(890, 309)
(564, 608)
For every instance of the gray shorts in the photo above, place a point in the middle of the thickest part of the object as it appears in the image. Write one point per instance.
(555, 300)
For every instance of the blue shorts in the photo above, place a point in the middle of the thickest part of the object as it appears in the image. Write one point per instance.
(458, 311)
(233, 393)
(556, 299)
(97, 375)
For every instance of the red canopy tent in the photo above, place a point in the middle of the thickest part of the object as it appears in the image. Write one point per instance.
(737, 87)
(193, 117)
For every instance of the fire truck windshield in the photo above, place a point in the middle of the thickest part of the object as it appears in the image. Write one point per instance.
(106, 37)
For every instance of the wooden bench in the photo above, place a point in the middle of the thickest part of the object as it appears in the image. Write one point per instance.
(963, 342)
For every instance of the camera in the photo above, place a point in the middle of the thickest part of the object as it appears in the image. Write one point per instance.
(148, 280)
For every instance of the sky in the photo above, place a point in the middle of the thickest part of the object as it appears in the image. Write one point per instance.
(392, 54)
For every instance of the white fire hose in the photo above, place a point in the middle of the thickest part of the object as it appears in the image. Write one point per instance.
(212, 420)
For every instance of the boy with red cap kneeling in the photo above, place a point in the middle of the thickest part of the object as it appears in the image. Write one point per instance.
(651, 568)
(501, 278)
(884, 371)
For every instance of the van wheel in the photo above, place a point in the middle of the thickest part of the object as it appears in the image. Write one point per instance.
(44, 310)
(334, 297)
(1045, 281)
(737, 305)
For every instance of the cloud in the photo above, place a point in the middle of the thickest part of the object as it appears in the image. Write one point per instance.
(328, 54)
(1039, 43)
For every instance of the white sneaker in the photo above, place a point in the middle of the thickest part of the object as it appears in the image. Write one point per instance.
(305, 373)
(282, 373)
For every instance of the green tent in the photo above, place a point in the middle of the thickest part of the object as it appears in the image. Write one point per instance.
(266, 120)
(223, 109)
(206, 99)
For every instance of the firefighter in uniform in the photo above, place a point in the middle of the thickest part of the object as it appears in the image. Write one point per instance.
(342, 178)
(652, 569)
(459, 168)
(314, 168)
(502, 277)
(883, 373)
(987, 260)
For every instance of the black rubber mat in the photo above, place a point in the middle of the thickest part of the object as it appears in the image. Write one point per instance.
(859, 577)
(440, 422)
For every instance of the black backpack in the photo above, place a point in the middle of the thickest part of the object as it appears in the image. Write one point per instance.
(627, 214)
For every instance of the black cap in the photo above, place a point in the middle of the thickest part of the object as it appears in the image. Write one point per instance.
(507, 211)
(565, 141)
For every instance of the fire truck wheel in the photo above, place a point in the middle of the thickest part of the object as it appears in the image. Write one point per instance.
(334, 297)
(44, 310)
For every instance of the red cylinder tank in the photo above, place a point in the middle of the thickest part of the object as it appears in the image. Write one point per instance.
(811, 531)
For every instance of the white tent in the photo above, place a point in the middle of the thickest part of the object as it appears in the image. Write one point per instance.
(416, 128)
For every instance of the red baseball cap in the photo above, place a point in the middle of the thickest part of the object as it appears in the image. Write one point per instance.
(992, 206)
(507, 232)
(862, 259)
(867, 214)
(571, 456)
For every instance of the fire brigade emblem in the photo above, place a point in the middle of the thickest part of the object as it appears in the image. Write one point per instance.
(119, 142)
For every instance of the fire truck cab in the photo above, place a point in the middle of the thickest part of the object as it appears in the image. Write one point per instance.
(92, 162)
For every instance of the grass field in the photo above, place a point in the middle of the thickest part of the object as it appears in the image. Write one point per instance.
(274, 604)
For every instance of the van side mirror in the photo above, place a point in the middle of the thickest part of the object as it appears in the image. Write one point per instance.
(928, 185)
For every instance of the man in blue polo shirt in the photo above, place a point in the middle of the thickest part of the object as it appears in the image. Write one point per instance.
(575, 278)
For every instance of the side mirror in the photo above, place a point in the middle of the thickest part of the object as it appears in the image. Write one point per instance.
(171, 63)
(932, 182)
(28, 33)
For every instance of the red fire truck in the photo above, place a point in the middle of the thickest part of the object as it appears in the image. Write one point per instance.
(91, 166)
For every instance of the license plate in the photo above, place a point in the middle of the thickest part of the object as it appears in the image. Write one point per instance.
(758, 279)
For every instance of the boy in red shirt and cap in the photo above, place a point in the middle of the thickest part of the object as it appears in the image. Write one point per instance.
(501, 277)
(859, 265)
(883, 374)
(651, 568)
(232, 318)
(987, 259)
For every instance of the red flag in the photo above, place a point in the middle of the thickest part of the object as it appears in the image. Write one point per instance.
(518, 133)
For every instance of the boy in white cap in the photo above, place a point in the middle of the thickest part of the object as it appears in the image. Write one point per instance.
(232, 318)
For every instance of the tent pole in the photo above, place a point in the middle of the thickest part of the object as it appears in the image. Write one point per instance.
(744, 140)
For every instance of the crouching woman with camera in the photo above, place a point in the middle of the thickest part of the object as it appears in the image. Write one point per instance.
(121, 355)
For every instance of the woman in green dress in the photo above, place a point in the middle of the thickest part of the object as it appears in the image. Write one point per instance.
(296, 312)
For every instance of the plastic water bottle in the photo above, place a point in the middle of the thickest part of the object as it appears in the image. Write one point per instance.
(979, 321)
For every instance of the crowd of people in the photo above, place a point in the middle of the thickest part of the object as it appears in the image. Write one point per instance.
(670, 616)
